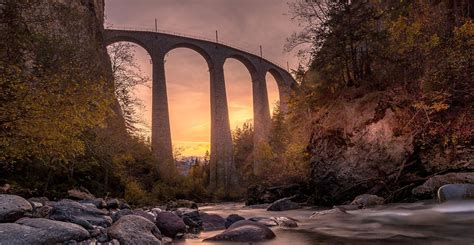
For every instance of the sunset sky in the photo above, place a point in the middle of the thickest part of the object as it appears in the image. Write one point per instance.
(245, 23)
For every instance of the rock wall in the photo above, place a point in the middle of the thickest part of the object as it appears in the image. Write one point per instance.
(358, 147)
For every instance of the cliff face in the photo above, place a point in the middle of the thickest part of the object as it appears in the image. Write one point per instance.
(364, 145)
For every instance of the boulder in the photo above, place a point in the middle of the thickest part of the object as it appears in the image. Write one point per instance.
(191, 218)
(124, 205)
(244, 231)
(113, 203)
(453, 192)
(264, 221)
(134, 229)
(13, 207)
(231, 219)
(80, 194)
(430, 187)
(212, 222)
(144, 214)
(74, 212)
(42, 212)
(367, 200)
(4, 189)
(286, 222)
(172, 205)
(97, 202)
(119, 214)
(282, 205)
(40, 231)
(170, 224)
(42, 200)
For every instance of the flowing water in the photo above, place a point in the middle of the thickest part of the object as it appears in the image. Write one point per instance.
(412, 223)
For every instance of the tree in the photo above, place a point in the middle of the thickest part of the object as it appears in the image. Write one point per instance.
(127, 77)
(45, 103)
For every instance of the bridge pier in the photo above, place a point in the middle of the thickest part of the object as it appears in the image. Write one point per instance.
(261, 114)
(222, 169)
(160, 129)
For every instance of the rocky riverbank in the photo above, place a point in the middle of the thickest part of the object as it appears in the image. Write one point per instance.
(112, 221)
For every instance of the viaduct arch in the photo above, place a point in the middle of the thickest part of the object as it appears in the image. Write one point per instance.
(158, 44)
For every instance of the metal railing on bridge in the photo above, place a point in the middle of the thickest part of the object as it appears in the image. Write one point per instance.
(144, 29)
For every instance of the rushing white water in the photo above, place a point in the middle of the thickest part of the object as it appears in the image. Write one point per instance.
(422, 222)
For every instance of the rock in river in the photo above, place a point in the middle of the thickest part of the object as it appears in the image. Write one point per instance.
(244, 231)
(456, 192)
(282, 205)
(40, 231)
(231, 219)
(74, 212)
(13, 207)
(367, 200)
(170, 224)
(134, 229)
(212, 222)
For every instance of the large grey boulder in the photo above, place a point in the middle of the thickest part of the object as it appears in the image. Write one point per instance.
(13, 207)
(170, 224)
(74, 212)
(80, 194)
(430, 187)
(134, 229)
(244, 231)
(97, 202)
(453, 192)
(191, 218)
(212, 222)
(283, 205)
(40, 231)
(231, 219)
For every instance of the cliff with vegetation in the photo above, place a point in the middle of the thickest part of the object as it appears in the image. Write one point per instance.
(60, 124)
(388, 96)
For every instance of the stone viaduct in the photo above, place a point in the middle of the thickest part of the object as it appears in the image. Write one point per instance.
(158, 44)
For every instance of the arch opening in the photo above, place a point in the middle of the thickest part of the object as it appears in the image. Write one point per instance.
(188, 89)
(238, 82)
(272, 92)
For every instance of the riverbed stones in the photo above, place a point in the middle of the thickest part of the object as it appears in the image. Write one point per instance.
(170, 224)
(191, 218)
(286, 222)
(456, 192)
(258, 194)
(244, 231)
(367, 200)
(40, 231)
(283, 205)
(430, 187)
(80, 194)
(231, 219)
(97, 202)
(134, 229)
(264, 221)
(212, 222)
(74, 212)
(13, 207)
(113, 203)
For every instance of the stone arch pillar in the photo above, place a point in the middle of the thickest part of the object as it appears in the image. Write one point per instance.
(261, 113)
(161, 132)
(222, 169)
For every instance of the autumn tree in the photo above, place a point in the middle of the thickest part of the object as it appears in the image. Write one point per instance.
(127, 77)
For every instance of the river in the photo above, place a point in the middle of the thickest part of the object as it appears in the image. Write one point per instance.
(421, 222)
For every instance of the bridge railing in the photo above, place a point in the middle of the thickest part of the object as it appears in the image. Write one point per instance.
(144, 29)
